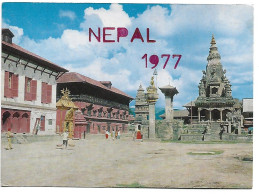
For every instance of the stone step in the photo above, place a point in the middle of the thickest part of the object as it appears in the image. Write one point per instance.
(195, 130)
(20, 139)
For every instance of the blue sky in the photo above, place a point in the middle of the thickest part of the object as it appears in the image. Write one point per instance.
(59, 32)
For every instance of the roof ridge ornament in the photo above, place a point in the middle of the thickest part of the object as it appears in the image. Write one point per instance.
(213, 41)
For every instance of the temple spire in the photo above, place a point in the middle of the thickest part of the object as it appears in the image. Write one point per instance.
(213, 42)
(213, 53)
(140, 88)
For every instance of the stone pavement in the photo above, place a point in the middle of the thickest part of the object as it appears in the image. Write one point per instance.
(96, 162)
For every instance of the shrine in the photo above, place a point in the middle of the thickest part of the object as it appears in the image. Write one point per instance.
(65, 114)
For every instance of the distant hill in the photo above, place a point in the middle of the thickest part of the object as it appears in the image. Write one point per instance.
(159, 111)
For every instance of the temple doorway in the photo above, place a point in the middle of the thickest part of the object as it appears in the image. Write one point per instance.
(215, 115)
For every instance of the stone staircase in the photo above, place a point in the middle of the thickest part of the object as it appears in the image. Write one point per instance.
(193, 133)
(214, 131)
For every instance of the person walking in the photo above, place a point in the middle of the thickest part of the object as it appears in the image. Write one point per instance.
(9, 136)
(113, 134)
(106, 134)
(65, 138)
(221, 131)
(116, 134)
(119, 134)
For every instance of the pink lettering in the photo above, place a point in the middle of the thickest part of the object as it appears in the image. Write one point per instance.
(121, 32)
(98, 38)
(104, 34)
(137, 35)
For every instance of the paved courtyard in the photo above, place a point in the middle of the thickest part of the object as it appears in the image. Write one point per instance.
(96, 162)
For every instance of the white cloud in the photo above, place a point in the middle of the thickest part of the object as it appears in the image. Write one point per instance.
(114, 17)
(74, 39)
(121, 62)
(158, 19)
(228, 19)
(67, 14)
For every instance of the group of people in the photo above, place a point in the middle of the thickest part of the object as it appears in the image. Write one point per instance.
(114, 134)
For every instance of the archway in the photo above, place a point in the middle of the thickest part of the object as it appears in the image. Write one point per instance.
(215, 115)
(205, 115)
(25, 123)
(16, 123)
(214, 90)
(6, 121)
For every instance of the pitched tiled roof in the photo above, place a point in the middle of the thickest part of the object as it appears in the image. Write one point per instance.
(71, 77)
(25, 53)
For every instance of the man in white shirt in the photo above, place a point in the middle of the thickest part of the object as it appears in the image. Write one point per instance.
(65, 138)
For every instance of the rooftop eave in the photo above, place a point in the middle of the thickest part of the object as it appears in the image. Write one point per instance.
(7, 47)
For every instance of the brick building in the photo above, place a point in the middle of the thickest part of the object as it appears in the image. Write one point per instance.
(103, 106)
(28, 89)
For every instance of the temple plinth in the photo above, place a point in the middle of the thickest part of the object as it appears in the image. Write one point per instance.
(169, 92)
(152, 97)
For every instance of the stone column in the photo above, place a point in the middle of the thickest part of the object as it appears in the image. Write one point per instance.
(220, 115)
(239, 128)
(168, 108)
(242, 121)
(210, 115)
(199, 115)
(152, 120)
(152, 97)
(169, 91)
(229, 127)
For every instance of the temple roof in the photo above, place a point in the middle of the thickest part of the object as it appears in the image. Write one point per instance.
(177, 113)
(191, 103)
(169, 90)
(73, 77)
(167, 87)
(65, 101)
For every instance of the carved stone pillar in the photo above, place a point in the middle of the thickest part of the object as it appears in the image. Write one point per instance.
(229, 127)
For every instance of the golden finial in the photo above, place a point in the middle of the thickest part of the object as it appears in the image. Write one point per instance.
(65, 93)
(213, 42)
